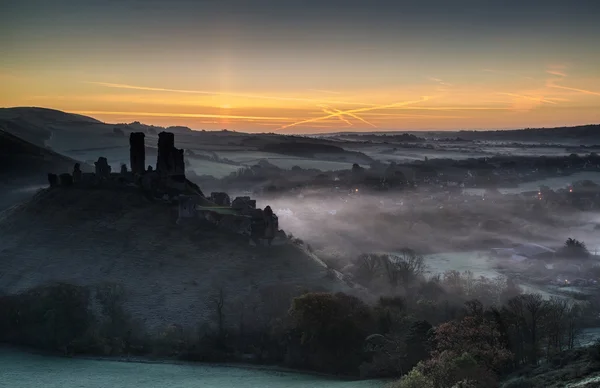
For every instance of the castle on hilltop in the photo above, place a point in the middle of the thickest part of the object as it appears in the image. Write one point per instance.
(167, 182)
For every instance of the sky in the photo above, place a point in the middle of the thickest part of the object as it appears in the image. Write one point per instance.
(307, 66)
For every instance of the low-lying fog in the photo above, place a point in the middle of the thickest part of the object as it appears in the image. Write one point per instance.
(349, 224)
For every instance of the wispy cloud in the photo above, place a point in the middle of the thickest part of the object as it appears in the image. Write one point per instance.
(494, 71)
(557, 73)
(439, 81)
(216, 93)
(591, 92)
(324, 91)
(187, 115)
(537, 99)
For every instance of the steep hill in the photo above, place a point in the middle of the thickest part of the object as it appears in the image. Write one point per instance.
(24, 167)
(170, 273)
(20, 158)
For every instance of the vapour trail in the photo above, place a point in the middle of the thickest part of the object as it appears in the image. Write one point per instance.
(423, 99)
(214, 93)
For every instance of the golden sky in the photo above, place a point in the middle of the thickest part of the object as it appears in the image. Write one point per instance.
(330, 77)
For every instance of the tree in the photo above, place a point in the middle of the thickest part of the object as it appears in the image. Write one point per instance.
(574, 249)
(366, 268)
(418, 342)
(476, 336)
(526, 313)
(331, 329)
(449, 368)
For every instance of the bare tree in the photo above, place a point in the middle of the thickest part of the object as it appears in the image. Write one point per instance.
(218, 302)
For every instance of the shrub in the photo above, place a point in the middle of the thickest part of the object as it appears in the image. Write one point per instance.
(476, 336)
(447, 369)
(50, 317)
(414, 379)
(329, 330)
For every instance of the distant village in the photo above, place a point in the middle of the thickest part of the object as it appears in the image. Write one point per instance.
(167, 182)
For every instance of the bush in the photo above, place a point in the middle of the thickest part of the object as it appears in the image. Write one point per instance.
(447, 369)
(49, 317)
(414, 379)
(594, 351)
(328, 331)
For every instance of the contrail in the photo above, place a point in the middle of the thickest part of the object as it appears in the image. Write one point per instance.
(356, 117)
(575, 90)
(192, 115)
(134, 87)
(424, 98)
(342, 118)
(538, 99)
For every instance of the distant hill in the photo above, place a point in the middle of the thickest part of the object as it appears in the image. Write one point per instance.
(64, 132)
(169, 272)
(583, 134)
(35, 124)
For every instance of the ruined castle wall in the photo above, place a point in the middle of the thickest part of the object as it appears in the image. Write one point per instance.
(137, 152)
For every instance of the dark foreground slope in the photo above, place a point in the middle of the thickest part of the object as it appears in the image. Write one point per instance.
(24, 167)
(170, 273)
(22, 159)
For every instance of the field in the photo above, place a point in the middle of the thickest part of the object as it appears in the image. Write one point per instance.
(20, 369)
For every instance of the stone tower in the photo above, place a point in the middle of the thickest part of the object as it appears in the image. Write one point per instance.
(170, 162)
(137, 152)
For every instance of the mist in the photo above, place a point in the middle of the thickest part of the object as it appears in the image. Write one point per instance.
(347, 224)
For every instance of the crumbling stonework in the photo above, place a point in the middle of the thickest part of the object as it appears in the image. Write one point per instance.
(187, 207)
(103, 169)
(53, 180)
(137, 152)
(220, 198)
(243, 204)
(77, 173)
(169, 162)
(66, 179)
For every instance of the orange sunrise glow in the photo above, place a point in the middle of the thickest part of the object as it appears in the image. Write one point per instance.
(315, 78)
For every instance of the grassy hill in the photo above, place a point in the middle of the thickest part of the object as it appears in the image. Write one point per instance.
(24, 167)
(19, 157)
(170, 273)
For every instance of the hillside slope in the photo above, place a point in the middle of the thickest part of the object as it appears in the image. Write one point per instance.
(19, 157)
(24, 167)
(170, 273)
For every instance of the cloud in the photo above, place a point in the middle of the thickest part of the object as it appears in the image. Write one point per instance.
(187, 115)
(506, 73)
(591, 92)
(537, 99)
(441, 82)
(324, 91)
(556, 72)
(213, 93)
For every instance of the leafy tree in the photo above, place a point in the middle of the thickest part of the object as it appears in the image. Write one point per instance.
(418, 342)
(331, 329)
(574, 249)
(449, 368)
(476, 336)
(414, 379)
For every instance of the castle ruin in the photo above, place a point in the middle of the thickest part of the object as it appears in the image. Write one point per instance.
(167, 182)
